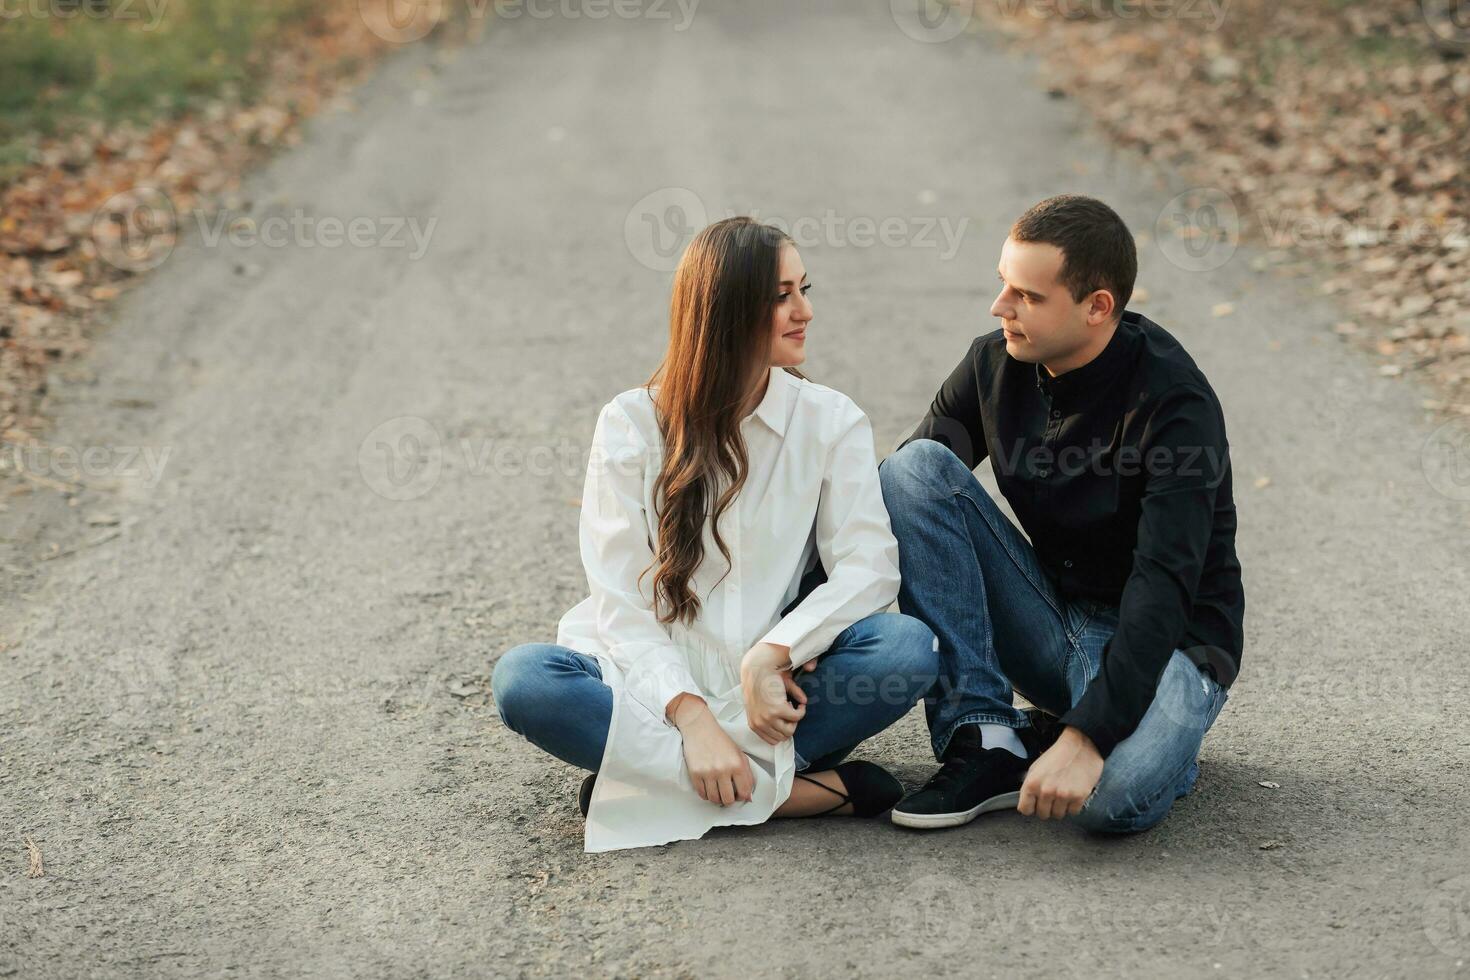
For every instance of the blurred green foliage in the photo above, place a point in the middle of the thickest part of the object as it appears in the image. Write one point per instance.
(65, 62)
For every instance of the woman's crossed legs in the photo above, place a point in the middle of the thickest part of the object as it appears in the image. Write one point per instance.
(874, 672)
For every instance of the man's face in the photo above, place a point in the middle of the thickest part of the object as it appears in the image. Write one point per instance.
(1042, 323)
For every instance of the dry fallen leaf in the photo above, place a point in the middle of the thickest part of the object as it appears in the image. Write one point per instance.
(36, 868)
(462, 689)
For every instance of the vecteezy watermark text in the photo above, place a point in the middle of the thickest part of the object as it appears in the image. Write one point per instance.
(660, 225)
(304, 230)
(937, 21)
(1210, 13)
(406, 21)
(669, 10)
(81, 464)
(403, 458)
(1201, 229)
(117, 10)
(137, 230)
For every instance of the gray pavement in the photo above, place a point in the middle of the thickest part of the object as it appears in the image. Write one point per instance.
(247, 723)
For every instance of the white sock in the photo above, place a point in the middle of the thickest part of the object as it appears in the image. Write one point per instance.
(1002, 737)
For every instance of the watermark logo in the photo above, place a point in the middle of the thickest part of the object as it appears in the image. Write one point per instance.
(931, 21)
(1447, 917)
(931, 914)
(1199, 230)
(1445, 459)
(135, 230)
(401, 21)
(1449, 20)
(401, 458)
(660, 226)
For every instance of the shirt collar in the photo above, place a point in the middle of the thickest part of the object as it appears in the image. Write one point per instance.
(1097, 371)
(772, 409)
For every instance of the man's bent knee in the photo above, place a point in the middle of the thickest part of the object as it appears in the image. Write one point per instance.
(1117, 807)
(914, 650)
(916, 468)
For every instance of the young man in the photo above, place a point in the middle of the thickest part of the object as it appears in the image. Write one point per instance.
(1123, 613)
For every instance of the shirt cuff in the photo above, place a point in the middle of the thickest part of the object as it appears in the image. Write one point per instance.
(659, 676)
(793, 631)
(1097, 724)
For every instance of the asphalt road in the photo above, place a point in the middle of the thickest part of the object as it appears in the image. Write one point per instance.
(245, 708)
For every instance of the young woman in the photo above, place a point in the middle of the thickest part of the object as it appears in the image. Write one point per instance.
(733, 649)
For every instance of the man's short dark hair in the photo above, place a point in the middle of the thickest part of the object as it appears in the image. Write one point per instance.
(1098, 251)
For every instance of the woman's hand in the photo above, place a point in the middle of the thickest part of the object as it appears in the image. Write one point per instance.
(718, 769)
(766, 690)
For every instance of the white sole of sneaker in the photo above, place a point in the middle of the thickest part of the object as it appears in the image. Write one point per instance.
(937, 821)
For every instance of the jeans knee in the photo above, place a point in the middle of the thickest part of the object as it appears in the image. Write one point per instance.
(514, 677)
(1121, 810)
(917, 641)
(914, 472)
(910, 652)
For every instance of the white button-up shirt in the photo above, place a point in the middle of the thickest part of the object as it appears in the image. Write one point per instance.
(812, 494)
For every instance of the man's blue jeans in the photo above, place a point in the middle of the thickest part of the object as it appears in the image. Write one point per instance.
(970, 574)
(875, 671)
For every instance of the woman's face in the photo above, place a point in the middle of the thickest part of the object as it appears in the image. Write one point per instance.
(793, 312)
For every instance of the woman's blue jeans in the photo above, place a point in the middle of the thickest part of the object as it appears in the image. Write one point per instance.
(874, 672)
(972, 576)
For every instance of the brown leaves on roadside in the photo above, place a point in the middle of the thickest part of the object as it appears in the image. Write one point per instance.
(52, 213)
(1339, 131)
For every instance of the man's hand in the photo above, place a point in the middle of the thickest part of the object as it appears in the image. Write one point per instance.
(1063, 778)
(766, 688)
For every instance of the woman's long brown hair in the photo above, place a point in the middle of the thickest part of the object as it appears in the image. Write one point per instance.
(725, 294)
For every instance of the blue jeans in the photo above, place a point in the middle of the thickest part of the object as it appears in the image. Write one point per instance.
(875, 671)
(973, 577)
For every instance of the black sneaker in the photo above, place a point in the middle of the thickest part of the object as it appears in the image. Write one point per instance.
(972, 781)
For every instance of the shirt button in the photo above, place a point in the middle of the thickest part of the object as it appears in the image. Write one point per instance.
(1043, 473)
(1056, 415)
(1068, 563)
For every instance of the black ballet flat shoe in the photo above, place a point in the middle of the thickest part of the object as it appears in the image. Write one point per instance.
(584, 795)
(871, 789)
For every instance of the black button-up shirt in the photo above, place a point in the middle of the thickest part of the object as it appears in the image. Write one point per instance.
(1119, 471)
